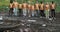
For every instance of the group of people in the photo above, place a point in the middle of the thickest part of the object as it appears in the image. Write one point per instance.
(30, 10)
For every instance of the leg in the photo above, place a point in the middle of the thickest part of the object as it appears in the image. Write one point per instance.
(16, 12)
(10, 11)
(54, 13)
(20, 12)
(40, 13)
(51, 13)
(32, 13)
(36, 12)
(46, 14)
(43, 14)
(29, 13)
(24, 12)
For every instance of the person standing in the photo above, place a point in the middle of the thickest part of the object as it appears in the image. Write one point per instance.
(33, 10)
(24, 9)
(47, 10)
(42, 9)
(11, 9)
(20, 9)
(52, 8)
(37, 9)
(29, 10)
(15, 8)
